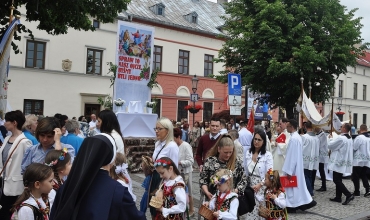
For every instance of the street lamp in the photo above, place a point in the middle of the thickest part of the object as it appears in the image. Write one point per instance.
(339, 101)
(194, 87)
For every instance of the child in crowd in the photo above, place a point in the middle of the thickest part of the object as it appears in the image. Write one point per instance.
(148, 166)
(33, 202)
(275, 196)
(225, 202)
(60, 162)
(173, 188)
(119, 172)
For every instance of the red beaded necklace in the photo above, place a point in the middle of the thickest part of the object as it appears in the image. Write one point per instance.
(44, 211)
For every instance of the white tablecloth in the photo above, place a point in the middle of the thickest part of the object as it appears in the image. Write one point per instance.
(136, 124)
(135, 107)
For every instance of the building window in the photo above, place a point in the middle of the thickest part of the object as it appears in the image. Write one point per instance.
(181, 112)
(364, 119)
(354, 90)
(355, 120)
(96, 23)
(157, 61)
(184, 62)
(364, 72)
(32, 106)
(35, 56)
(192, 17)
(340, 91)
(157, 107)
(94, 61)
(207, 111)
(208, 65)
(364, 92)
(158, 9)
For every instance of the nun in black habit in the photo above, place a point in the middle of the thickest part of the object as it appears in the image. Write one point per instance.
(89, 192)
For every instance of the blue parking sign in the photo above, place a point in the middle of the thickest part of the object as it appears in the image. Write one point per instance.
(234, 84)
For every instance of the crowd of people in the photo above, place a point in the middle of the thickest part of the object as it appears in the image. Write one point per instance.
(61, 168)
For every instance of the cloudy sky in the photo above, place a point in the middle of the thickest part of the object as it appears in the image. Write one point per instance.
(363, 11)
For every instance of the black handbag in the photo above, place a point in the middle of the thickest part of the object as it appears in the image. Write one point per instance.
(246, 200)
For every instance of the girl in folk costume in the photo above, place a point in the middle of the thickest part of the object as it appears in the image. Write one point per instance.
(60, 162)
(225, 203)
(119, 172)
(275, 196)
(33, 202)
(173, 188)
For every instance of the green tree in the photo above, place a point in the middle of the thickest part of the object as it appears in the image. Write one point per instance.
(56, 16)
(272, 43)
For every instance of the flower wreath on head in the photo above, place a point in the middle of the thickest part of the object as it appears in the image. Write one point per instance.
(218, 180)
(61, 157)
(161, 162)
(271, 173)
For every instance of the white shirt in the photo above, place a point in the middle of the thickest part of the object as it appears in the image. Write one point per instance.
(92, 124)
(171, 150)
(311, 146)
(180, 197)
(119, 142)
(223, 131)
(341, 156)
(26, 213)
(361, 151)
(232, 213)
(186, 158)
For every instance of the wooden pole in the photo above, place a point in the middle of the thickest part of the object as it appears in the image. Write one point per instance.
(331, 116)
(302, 79)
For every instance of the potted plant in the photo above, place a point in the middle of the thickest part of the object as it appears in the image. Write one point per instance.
(193, 108)
(149, 107)
(119, 103)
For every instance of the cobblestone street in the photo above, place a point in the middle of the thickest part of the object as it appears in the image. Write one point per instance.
(325, 209)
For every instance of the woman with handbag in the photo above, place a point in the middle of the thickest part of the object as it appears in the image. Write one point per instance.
(11, 153)
(164, 147)
(258, 161)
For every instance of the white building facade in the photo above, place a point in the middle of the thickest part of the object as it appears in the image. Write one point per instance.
(40, 85)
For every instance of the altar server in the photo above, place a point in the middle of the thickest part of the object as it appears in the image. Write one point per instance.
(296, 197)
(280, 147)
(361, 161)
(323, 156)
(340, 162)
(310, 156)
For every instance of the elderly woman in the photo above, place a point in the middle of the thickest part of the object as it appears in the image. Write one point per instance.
(29, 128)
(12, 153)
(186, 161)
(222, 156)
(72, 137)
(164, 147)
(258, 161)
(48, 133)
(195, 134)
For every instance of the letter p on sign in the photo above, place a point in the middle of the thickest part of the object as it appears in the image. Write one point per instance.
(234, 84)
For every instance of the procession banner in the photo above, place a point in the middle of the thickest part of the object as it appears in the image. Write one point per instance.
(5, 47)
(134, 55)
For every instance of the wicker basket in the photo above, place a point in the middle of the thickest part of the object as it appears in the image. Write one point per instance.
(156, 202)
(206, 212)
(264, 211)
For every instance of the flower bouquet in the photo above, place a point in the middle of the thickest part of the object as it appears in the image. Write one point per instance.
(193, 108)
(149, 107)
(119, 103)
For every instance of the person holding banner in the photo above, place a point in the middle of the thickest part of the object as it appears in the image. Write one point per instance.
(340, 162)
(296, 197)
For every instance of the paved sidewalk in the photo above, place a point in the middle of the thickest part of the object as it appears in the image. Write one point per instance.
(325, 209)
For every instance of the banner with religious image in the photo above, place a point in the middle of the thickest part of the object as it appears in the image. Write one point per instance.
(134, 55)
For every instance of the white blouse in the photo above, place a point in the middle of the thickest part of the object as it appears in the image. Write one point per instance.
(171, 150)
(232, 214)
(26, 213)
(180, 197)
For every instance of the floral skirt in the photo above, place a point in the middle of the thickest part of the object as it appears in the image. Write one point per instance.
(260, 194)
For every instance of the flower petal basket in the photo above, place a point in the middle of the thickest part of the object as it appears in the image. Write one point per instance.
(206, 212)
